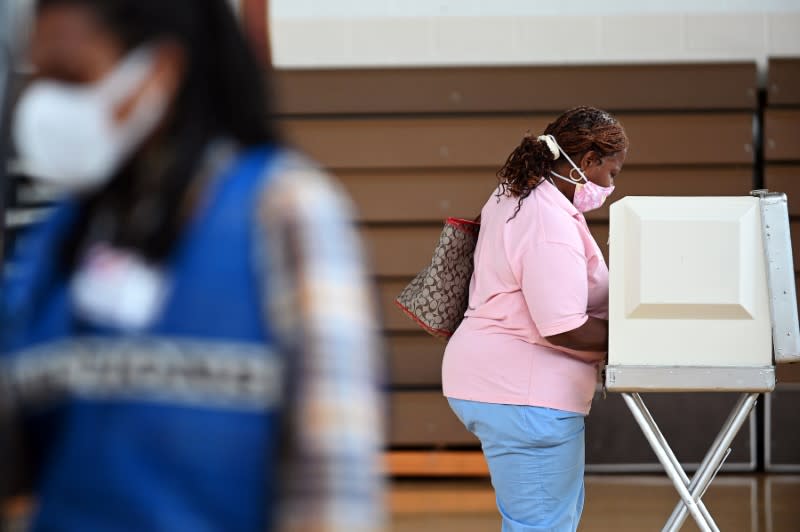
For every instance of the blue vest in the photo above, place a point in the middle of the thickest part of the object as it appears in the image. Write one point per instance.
(174, 429)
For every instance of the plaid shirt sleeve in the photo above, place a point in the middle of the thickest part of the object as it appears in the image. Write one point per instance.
(321, 300)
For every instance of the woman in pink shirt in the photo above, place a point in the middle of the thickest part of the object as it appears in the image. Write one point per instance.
(520, 371)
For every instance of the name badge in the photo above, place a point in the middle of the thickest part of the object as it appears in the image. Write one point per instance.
(118, 288)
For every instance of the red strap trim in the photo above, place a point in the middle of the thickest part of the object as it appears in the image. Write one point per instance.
(439, 333)
(468, 226)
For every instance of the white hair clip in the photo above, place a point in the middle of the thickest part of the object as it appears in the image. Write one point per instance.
(550, 140)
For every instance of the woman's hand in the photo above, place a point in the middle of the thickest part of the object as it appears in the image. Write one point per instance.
(591, 336)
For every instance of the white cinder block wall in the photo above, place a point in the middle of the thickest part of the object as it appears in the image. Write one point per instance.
(347, 33)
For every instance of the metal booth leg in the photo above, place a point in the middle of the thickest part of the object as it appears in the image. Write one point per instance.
(715, 457)
(668, 460)
(691, 491)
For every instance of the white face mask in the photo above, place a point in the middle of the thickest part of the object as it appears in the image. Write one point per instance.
(66, 134)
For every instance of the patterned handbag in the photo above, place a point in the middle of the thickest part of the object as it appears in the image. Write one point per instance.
(437, 297)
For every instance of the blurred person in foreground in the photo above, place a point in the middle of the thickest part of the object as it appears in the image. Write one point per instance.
(521, 369)
(188, 340)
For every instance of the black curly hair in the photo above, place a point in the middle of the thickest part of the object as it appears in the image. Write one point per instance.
(577, 131)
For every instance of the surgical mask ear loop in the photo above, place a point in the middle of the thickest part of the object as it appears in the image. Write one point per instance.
(129, 76)
(579, 179)
(568, 158)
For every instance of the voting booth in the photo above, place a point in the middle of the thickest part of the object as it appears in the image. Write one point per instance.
(701, 298)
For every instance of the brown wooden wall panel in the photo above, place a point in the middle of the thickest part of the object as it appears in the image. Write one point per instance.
(600, 233)
(783, 440)
(791, 372)
(782, 134)
(785, 179)
(400, 251)
(425, 419)
(794, 229)
(517, 89)
(788, 373)
(404, 251)
(412, 142)
(433, 195)
(418, 195)
(689, 421)
(783, 83)
(413, 146)
(415, 359)
(690, 139)
(678, 181)
(469, 142)
(394, 320)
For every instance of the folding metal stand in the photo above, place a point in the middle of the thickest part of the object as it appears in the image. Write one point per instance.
(691, 490)
(750, 381)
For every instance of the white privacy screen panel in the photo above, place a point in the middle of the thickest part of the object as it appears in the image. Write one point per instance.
(688, 285)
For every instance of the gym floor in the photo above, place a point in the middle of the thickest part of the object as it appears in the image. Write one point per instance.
(738, 503)
(629, 503)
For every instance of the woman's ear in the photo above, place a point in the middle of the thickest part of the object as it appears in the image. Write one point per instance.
(590, 158)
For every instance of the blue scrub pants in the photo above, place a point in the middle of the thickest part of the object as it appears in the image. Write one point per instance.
(536, 460)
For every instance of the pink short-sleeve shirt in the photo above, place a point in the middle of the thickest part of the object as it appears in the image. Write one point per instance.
(537, 275)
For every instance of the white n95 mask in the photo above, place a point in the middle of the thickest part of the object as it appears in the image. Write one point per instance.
(66, 134)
